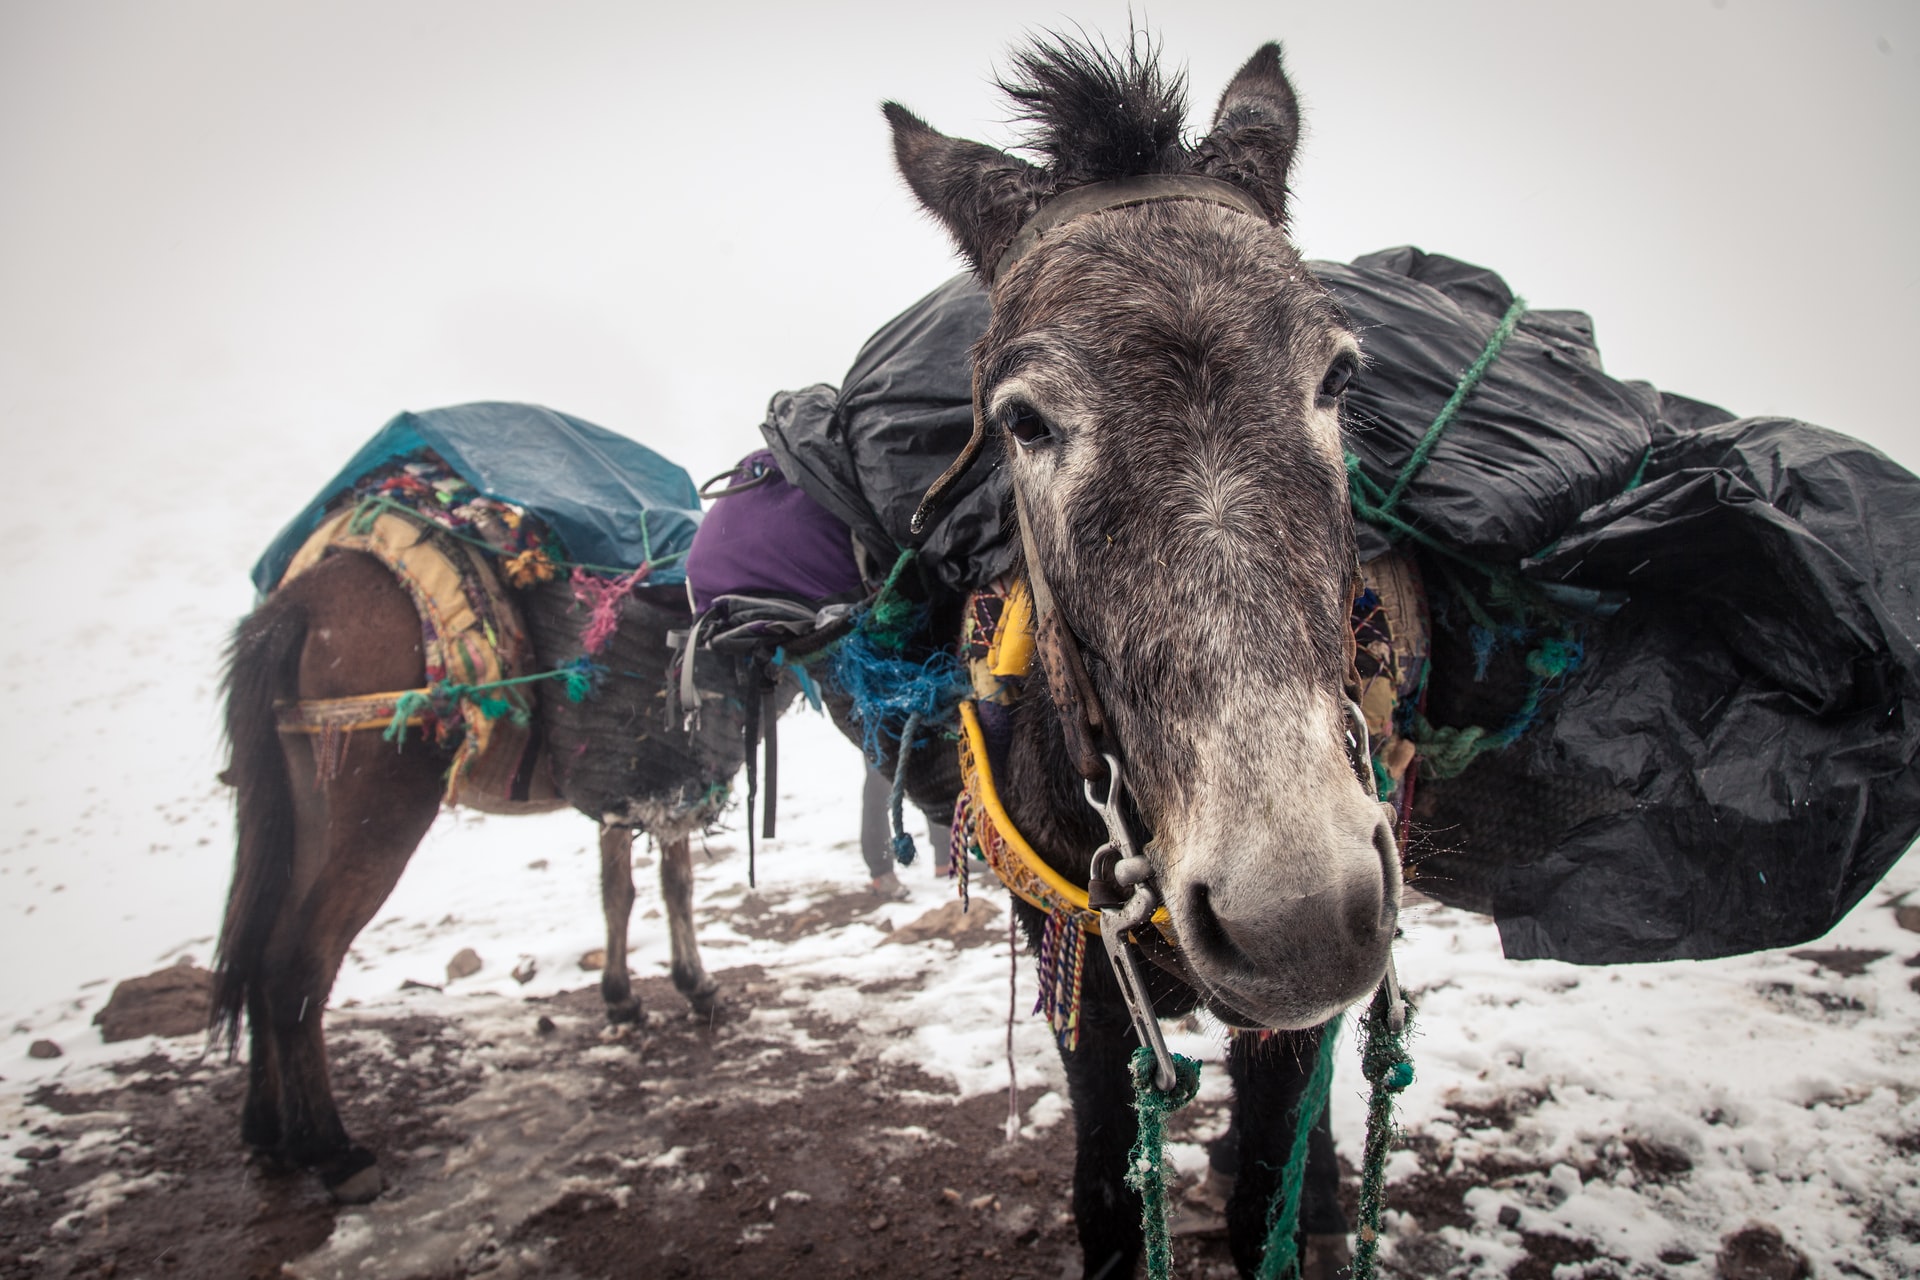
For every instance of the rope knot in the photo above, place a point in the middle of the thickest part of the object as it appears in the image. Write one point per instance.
(1144, 1172)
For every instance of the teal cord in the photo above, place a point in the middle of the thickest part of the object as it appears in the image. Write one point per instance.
(1464, 388)
(1146, 1162)
(1281, 1258)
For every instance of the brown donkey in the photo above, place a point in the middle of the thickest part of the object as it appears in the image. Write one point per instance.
(319, 849)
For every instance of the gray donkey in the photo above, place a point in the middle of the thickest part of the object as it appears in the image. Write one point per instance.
(1162, 378)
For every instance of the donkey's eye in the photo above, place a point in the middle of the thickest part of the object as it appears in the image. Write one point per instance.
(1339, 374)
(1024, 423)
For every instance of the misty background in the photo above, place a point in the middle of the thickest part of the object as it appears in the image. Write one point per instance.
(235, 238)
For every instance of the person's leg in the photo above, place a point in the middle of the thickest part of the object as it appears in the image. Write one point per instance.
(876, 835)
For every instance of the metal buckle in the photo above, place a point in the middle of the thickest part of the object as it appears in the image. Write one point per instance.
(1361, 743)
(1117, 888)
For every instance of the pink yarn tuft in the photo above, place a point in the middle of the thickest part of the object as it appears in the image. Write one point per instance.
(603, 596)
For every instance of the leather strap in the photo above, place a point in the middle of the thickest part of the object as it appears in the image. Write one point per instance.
(1122, 193)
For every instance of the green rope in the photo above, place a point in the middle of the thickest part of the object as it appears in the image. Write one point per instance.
(1281, 1258)
(1464, 388)
(1445, 752)
(579, 678)
(891, 618)
(1146, 1171)
(1384, 1062)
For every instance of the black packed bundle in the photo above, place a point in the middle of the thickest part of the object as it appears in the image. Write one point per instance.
(869, 450)
(1735, 762)
(1545, 434)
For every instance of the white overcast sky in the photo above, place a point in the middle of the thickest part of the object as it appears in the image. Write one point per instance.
(264, 227)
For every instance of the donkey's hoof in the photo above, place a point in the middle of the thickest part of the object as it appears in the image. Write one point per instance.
(624, 1013)
(355, 1179)
(704, 997)
(1327, 1257)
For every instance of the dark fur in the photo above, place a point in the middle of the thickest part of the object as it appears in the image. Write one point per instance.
(1174, 341)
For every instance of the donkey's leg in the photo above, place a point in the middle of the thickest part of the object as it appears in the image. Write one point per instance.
(348, 831)
(690, 977)
(616, 901)
(1270, 1075)
(356, 835)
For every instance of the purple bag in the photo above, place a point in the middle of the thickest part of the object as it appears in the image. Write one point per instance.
(763, 536)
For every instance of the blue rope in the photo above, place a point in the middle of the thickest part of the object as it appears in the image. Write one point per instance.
(896, 803)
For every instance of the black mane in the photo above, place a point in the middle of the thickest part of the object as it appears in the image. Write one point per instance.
(1097, 113)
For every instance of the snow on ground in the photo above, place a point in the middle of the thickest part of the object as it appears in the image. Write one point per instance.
(1766, 1087)
(1781, 1089)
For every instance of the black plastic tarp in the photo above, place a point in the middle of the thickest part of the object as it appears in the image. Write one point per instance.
(1754, 705)
(870, 449)
(1736, 760)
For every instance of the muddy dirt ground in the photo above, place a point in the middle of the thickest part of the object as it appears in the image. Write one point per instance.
(686, 1148)
(524, 1138)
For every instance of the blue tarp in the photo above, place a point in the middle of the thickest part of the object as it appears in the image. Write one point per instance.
(612, 502)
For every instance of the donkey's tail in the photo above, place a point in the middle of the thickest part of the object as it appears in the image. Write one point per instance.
(263, 666)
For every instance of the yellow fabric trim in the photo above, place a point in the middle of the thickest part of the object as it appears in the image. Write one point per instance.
(1029, 866)
(1011, 653)
(438, 576)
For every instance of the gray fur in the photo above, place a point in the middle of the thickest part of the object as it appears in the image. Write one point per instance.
(1189, 509)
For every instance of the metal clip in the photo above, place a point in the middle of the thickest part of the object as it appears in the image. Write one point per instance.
(1361, 743)
(1396, 1003)
(1117, 888)
(1126, 969)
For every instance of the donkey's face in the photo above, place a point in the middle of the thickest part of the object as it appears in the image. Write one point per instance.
(1167, 378)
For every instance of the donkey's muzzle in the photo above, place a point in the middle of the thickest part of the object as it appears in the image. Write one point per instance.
(1292, 955)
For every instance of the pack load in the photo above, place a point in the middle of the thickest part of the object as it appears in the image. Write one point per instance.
(1669, 708)
(539, 549)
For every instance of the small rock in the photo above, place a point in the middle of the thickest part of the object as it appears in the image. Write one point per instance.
(1907, 918)
(48, 1152)
(170, 1002)
(878, 1222)
(414, 984)
(595, 960)
(544, 1026)
(981, 1202)
(1757, 1252)
(1509, 1213)
(524, 971)
(538, 864)
(43, 1049)
(465, 963)
(1849, 962)
(1027, 1177)
(949, 1196)
(952, 922)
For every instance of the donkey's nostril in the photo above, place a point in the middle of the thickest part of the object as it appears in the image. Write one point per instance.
(1203, 926)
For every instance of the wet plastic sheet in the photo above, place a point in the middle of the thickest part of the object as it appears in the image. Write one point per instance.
(869, 450)
(610, 500)
(1755, 704)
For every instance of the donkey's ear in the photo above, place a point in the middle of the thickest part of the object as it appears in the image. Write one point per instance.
(982, 196)
(1255, 132)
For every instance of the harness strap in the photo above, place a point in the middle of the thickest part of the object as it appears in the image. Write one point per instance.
(347, 715)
